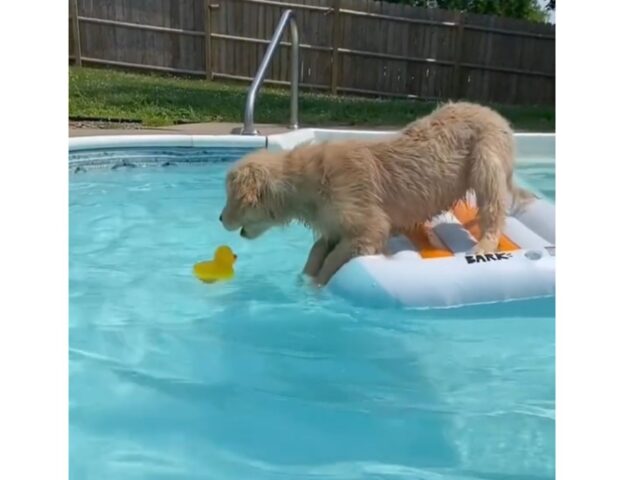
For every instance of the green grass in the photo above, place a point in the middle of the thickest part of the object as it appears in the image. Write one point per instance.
(157, 100)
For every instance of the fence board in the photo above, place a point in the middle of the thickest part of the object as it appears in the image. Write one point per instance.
(382, 48)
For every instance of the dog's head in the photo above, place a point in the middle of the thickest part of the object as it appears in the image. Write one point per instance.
(254, 201)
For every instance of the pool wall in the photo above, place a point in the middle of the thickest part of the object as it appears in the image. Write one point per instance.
(530, 146)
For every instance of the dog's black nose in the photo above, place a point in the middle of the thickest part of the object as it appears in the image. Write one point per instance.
(220, 218)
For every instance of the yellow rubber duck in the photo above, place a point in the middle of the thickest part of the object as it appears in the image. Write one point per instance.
(220, 268)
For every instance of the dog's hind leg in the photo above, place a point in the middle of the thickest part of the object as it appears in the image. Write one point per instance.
(488, 180)
(317, 256)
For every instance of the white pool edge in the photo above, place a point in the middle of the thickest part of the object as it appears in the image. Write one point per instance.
(164, 140)
(534, 146)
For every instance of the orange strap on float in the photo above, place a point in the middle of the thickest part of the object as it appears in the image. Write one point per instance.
(467, 216)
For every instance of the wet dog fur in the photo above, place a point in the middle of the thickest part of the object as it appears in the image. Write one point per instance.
(354, 194)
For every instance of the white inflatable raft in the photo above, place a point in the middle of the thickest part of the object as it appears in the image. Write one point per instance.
(432, 266)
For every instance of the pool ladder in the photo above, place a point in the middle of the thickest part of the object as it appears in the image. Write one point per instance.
(287, 18)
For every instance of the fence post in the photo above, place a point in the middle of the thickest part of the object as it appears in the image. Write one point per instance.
(76, 33)
(208, 38)
(336, 33)
(459, 48)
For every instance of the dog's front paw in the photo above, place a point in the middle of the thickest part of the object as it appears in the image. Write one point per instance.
(305, 280)
(319, 282)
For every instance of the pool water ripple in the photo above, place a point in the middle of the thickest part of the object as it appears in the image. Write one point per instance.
(266, 378)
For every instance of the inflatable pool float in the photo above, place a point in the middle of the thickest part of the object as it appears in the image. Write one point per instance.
(432, 266)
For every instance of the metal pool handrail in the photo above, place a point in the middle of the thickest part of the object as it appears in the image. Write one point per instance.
(288, 17)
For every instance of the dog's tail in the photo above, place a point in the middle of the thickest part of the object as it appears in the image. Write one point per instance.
(520, 197)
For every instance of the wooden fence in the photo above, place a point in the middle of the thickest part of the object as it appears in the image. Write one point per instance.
(348, 46)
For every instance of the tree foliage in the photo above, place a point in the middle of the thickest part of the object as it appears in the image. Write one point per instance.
(524, 9)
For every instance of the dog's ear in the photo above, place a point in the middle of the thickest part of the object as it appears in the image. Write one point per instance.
(252, 183)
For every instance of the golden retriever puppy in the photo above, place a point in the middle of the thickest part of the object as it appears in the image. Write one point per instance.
(354, 194)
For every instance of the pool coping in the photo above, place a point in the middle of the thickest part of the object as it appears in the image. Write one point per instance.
(533, 145)
(165, 140)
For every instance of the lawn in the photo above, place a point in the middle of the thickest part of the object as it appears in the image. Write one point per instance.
(155, 100)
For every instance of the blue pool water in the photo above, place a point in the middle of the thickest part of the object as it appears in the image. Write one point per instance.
(262, 378)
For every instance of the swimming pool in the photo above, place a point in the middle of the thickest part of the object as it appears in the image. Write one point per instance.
(263, 378)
